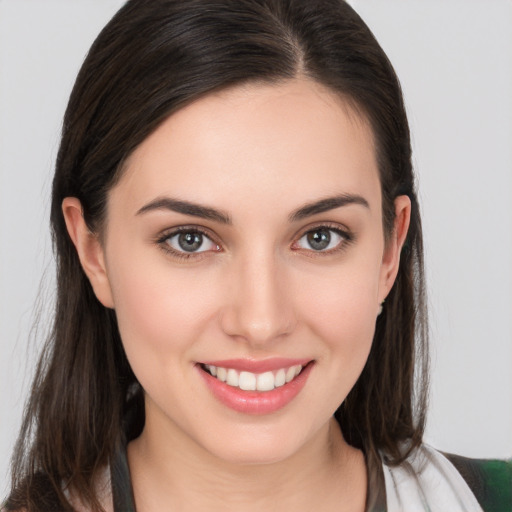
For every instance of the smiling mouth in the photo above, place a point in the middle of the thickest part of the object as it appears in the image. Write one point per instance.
(248, 381)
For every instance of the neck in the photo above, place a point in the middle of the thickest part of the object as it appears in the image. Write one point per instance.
(325, 471)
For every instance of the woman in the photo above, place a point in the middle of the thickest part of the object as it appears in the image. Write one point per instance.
(233, 203)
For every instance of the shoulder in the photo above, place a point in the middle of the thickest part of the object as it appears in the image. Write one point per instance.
(489, 479)
(431, 480)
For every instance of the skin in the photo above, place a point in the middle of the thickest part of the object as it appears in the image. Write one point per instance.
(258, 290)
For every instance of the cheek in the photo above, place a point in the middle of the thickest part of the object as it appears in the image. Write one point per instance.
(159, 312)
(346, 324)
(351, 313)
(343, 305)
(340, 309)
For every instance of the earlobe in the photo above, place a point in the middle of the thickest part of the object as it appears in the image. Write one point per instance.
(391, 259)
(89, 249)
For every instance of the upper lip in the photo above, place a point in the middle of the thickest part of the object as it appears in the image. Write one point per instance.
(258, 366)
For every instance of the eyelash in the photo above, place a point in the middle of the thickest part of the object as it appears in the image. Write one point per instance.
(163, 241)
(347, 239)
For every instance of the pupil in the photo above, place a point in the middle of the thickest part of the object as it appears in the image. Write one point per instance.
(319, 239)
(190, 241)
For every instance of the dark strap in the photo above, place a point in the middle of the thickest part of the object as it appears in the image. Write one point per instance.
(490, 480)
(122, 492)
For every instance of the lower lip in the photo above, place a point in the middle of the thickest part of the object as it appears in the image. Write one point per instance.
(256, 402)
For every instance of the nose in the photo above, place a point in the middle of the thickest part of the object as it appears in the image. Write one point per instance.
(258, 306)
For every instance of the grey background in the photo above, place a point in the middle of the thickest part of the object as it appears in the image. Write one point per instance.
(454, 58)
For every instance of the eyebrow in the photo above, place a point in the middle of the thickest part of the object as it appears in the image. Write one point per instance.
(329, 203)
(206, 212)
(187, 208)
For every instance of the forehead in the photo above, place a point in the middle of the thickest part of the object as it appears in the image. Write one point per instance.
(286, 142)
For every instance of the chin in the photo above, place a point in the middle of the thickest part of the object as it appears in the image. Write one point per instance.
(258, 445)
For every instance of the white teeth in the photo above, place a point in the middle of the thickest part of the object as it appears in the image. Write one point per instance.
(232, 378)
(290, 373)
(221, 374)
(249, 381)
(265, 381)
(280, 378)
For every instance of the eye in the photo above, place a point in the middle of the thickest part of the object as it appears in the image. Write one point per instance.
(190, 241)
(322, 239)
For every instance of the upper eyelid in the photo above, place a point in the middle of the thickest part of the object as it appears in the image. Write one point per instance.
(169, 232)
(333, 226)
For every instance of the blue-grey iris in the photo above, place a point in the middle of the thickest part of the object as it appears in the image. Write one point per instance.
(319, 239)
(190, 242)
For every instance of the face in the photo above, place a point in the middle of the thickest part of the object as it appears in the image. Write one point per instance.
(244, 243)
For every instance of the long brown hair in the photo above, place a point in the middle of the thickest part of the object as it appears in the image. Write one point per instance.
(154, 57)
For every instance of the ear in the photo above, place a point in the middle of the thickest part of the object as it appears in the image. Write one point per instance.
(391, 256)
(89, 249)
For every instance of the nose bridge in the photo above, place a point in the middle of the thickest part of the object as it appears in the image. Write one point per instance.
(259, 308)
